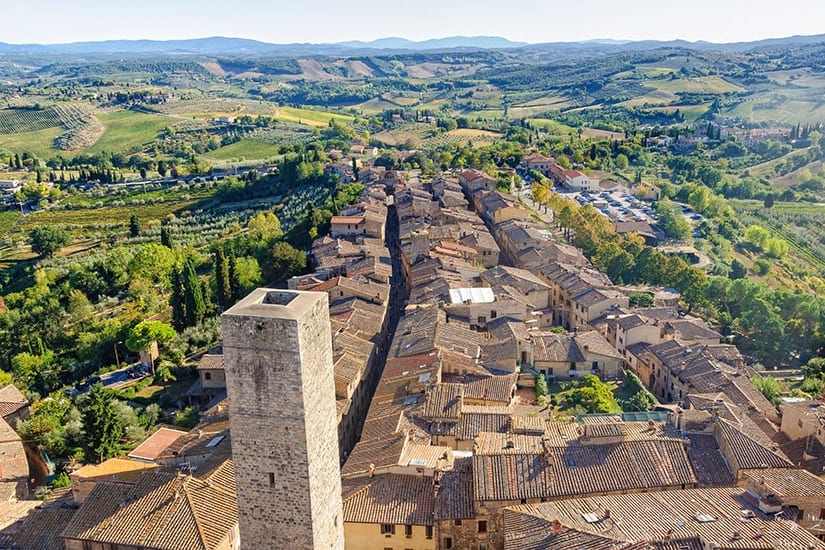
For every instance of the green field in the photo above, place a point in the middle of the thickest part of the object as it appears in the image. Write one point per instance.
(246, 149)
(552, 126)
(308, 116)
(41, 143)
(128, 131)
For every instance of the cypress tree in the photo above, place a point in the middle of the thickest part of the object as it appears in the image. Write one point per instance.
(193, 303)
(166, 236)
(222, 280)
(134, 225)
(102, 425)
(177, 300)
(234, 280)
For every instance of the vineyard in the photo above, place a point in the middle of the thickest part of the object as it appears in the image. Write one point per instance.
(18, 121)
(83, 129)
(462, 136)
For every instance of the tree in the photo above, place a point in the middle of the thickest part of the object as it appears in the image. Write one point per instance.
(265, 226)
(48, 239)
(146, 332)
(738, 270)
(176, 300)
(166, 236)
(769, 200)
(223, 283)
(194, 306)
(541, 386)
(769, 387)
(102, 424)
(134, 225)
(152, 262)
(163, 374)
(286, 261)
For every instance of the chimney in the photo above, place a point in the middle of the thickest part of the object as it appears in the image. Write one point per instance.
(372, 469)
(607, 513)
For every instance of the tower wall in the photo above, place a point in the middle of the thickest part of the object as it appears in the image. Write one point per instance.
(279, 377)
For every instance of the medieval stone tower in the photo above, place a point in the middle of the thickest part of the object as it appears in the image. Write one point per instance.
(279, 380)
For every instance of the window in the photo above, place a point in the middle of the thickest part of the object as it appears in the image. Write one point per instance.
(822, 513)
(448, 542)
(387, 528)
(482, 546)
(457, 522)
(482, 526)
(408, 531)
(493, 314)
(207, 376)
(428, 531)
(800, 515)
(271, 480)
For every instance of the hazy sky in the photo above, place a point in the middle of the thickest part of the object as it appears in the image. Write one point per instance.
(285, 21)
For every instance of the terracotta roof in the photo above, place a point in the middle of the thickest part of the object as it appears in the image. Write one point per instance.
(455, 492)
(490, 388)
(11, 400)
(785, 482)
(556, 348)
(577, 469)
(748, 452)
(163, 511)
(212, 359)
(391, 498)
(710, 466)
(154, 445)
(114, 468)
(690, 329)
(444, 402)
(661, 518)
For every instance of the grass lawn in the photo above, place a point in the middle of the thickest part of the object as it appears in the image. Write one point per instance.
(154, 393)
(128, 131)
(245, 149)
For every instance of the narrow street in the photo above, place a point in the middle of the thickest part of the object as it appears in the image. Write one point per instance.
(395, 308)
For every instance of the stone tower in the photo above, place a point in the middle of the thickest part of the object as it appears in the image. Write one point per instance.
(279, 380)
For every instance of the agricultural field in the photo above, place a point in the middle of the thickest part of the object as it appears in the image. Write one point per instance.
(40, 143)
(414, 133)
(218, 107)
(311, 117)
(246, 149)
(20, 121)
(462, 136)
(129, 131)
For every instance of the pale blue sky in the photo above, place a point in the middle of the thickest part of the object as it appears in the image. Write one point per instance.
(280, 21)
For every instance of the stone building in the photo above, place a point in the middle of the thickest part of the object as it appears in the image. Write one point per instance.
(279, 374)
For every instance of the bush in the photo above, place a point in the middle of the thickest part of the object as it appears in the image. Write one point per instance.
(761, 267)
(187, 418)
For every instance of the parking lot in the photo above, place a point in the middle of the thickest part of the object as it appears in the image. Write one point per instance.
(616, 205)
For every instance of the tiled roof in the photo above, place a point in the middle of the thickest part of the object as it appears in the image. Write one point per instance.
(708, 462)
(455, 492)
(556, 348)
(114, 468)
(592, 296)
(786, 482)
(154, 445)
(11, 400)
(691, 329)
(747, 452)
(391, 498)
(163, 511)
(490, 388)
(594, 342)
(661, 518)
(582, 469)
(444, 402)
(472, 424)
(521, 279)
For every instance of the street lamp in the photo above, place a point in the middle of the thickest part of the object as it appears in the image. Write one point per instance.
(117, 359)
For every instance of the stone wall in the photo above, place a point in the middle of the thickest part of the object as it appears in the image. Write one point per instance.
(279, 374)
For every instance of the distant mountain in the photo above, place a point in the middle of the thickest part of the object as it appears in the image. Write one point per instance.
(452, 42)
(217, 45)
